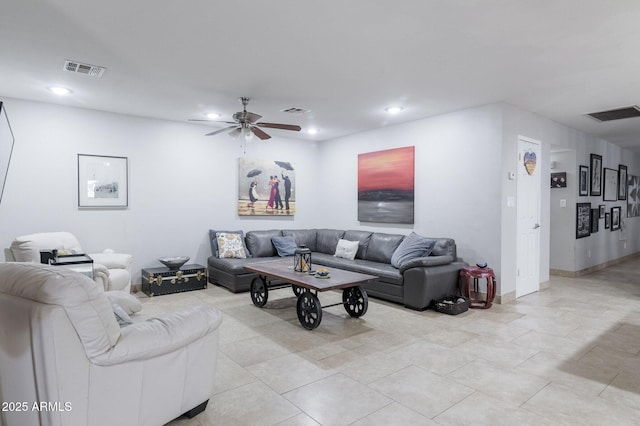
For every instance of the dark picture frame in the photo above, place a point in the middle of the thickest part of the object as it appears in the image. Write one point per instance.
(103, 181)
(616, 217)
(601, 207)
(607, 220)
(622, 182)
(595, 219)
(583, 181)
(583, 220)
(610, 179)
(7, 140)
(595, 184)
(559, 180)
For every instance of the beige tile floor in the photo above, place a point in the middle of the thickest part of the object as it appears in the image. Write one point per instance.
(567, 355)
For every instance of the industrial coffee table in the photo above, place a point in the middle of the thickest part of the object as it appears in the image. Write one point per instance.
(306, 287)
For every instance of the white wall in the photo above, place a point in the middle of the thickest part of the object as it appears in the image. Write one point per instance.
(181, 183)
(457, 183)
(563, 234)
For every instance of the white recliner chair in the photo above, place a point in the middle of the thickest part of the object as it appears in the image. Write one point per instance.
(66, 361)
(112, 270)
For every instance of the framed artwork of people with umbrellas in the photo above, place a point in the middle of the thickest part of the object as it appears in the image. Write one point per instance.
(266, 187)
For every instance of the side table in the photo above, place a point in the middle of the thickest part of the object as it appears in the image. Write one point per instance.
(157, 281)
(476, 273)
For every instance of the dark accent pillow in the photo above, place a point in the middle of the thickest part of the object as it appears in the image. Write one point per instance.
(286, 246)
(304, 237)
(213, 240)
(412, 247)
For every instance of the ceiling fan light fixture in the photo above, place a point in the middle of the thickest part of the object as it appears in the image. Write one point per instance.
(394, 109)
(58, 90)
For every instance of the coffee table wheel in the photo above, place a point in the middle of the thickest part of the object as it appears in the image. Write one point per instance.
(309, 310)
(297, 290)
(355, 301)
(259, 292)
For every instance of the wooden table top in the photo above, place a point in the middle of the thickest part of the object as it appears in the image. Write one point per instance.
(283, 270)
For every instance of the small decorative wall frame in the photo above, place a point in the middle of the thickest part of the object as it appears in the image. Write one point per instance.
(595, 220)
(583, 181)
(633, 196)
(607, 220)
(583, 220)
(102, 181)
(596, 175)
(622, 182)
(601, 207)
(610, 185)
(615, 218)
(559, 180)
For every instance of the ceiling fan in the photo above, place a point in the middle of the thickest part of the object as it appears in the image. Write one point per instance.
(245, 123)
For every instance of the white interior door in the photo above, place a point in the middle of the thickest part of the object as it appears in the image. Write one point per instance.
(528, 210)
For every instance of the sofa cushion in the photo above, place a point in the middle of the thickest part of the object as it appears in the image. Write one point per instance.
(213, 240)
(381, 247)
(286, 246)
(303, 237)
(411, 247)
(444, 247)
(346, 249)
(362, 237)
(385, 272)
(327, 240)
(230, 245)
(259, 242)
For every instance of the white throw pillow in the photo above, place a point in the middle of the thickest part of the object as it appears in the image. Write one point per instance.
(346, 249)
(126, 301)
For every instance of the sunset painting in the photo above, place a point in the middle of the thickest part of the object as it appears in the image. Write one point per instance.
(386, 185)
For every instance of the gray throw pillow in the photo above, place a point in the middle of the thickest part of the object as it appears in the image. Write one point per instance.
(411, 247)
(121, 316)
(286, 246)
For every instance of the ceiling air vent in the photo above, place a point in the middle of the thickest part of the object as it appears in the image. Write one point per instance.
(296, 110)
(616, 114)
(86, 69)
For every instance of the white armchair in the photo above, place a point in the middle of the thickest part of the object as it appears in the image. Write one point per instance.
(112, 270)
(61, 346)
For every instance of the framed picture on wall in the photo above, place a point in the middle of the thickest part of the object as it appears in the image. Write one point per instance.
(595, 219)
(622, 182)
(615, 218)
(601, 206)
(607, 220)
(583, 181)
(610, 185)
(583, 220)
(596, 174)
(102, 181)
(559, 180)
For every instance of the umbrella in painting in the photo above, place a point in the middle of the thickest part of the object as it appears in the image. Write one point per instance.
(284, 164)
(254, 172)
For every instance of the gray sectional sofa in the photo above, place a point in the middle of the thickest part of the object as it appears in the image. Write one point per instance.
(415, 284)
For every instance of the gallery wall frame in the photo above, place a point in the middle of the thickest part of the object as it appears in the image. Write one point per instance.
(583, 181)
(622, 182)
(607, 220)
(633, 196)
(616, 217)
(601, 207)
(595, 220)
(103, 181)
(610, 179)
(583, 220)
(7, 141)
(596, 175)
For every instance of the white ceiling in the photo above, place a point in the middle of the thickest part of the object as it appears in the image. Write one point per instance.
(345, 60)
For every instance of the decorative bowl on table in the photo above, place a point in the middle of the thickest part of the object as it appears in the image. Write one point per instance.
(322, 273)
(174, 262)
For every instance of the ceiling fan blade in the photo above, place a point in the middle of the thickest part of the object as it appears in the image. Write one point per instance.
(259, 133)
(219, 131)
(212, 121)
(252, 118)
(280, 126)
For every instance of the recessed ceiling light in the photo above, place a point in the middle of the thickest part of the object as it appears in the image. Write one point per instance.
(312, 131)
(212, 115)
(394, 109)
(60, 90)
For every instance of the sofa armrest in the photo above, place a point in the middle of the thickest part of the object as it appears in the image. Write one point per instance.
(424, 284)
(426, 261)
(101, 275)
(113, 260)
(160, 335)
